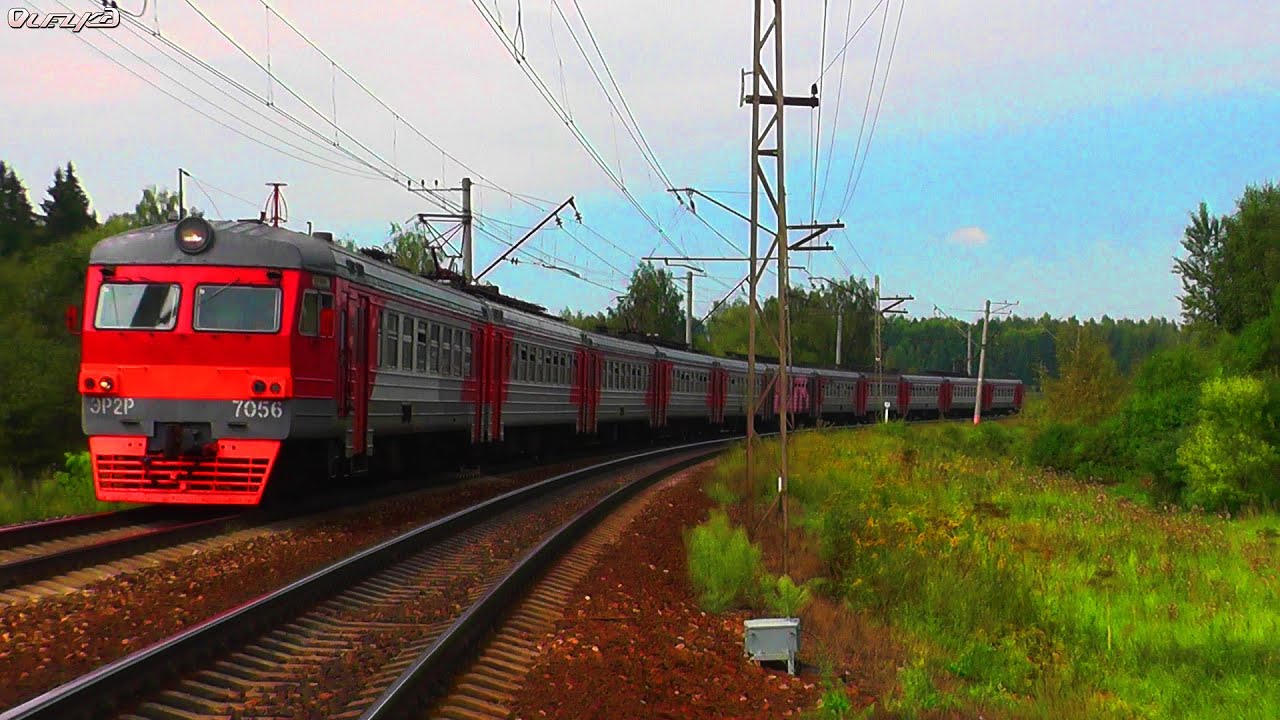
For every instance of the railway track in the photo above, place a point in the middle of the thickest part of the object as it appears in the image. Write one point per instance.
(37, 553)
(330, 643)
(485, 688)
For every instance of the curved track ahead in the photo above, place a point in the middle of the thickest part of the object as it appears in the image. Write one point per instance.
(281, 637)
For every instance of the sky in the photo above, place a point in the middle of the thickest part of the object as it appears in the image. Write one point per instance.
(1043, 152)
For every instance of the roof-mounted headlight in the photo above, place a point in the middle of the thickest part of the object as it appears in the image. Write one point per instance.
(194, 235)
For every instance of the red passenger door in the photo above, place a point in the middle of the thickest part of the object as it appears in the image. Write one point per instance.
(716, 393)
(499, 365)
(586, 390)
(355, 373)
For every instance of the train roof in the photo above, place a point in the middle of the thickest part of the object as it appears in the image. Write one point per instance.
(235, 243)
(256, 244)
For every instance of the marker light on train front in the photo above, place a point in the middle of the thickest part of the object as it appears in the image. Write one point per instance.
(194, 235)
(106, 384)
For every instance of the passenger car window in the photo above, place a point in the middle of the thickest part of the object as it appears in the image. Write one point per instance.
(420, 347)
(137, 306)
(457, 352)
(446, 351)
(237, 308)
(466, 354)
(389, 352)
(435, 349)
(406, 343)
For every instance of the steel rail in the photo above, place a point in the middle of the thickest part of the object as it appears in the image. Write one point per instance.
(435, 668)
(43, 567)
(29, 533)
(112, 685)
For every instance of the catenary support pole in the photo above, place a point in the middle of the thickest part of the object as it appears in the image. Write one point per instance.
(879, 367)
(688, 312)
(839, 330)
(982, 362)
(968, 350)
(467, 251)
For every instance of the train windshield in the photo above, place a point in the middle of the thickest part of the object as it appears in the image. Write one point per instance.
(137, 306)
(237, 308)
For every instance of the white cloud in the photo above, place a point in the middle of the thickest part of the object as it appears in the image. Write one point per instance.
(968, 236)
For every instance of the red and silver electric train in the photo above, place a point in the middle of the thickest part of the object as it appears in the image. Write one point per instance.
(217, 357)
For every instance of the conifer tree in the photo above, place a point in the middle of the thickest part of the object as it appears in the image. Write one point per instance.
(67, 209)
(17, 219)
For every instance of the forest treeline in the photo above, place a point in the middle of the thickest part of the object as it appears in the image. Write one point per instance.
(1197, 422)
(45, 247)
(1017, 347)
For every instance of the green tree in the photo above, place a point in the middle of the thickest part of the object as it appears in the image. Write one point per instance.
(1088, 386)
(816, 315)
(156, 207)
(39, 402)
(583, 321)
(1228, 460)
(1201, 271)
(410, 249)
(67, 212)
(17, 219)
(1251, 257)
(651, 305)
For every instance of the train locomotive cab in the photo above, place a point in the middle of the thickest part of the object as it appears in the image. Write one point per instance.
(188, 390)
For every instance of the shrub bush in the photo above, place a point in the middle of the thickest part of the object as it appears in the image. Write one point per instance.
(1227, 458)
(65, 492)
(1157, 416)
(1055, 446)
(990, 440)
(783, 596)
(724, 566)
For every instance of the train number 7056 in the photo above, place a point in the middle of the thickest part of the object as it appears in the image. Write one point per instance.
(258, 409)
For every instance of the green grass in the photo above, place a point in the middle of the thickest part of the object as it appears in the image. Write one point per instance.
(1038, 595)
(724, 566)
(64, 492)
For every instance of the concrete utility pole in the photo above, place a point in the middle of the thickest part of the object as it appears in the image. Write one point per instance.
(968, 350)
(688, 295)
(982, 356)
(839, 329)
(879, 365)
(892, 308)
(463, 217)
(982, 364)
(467, 251)
(688, 312)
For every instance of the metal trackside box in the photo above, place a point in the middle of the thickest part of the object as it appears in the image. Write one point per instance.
(773, 639)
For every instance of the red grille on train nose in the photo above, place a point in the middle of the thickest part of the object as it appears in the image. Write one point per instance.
(236, 474)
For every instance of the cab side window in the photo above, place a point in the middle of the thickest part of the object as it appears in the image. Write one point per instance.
(312, 303)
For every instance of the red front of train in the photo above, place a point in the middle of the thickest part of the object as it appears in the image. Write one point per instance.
(186, 378)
